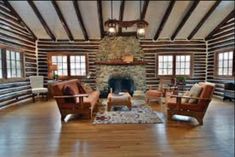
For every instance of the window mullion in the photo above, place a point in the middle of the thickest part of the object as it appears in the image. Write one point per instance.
(174, 65)
(15, 66)
(4, 64)
(68, 65)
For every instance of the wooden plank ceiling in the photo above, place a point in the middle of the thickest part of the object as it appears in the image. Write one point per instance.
(84, 20)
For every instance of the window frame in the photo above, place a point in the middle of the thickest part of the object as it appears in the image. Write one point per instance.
(174, 64)
(86, 73)
(62, 62)
(68, 54)
(1, 62)
(4, 64)
(216, 68)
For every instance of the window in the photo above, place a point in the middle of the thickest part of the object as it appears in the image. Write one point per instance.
(11, 64)
(183, 65)
(14, 64)
(172, 64)
(78, 65)
(225, 63)
(1, 64)
(68, 65)
(165, 65)
(62, 65)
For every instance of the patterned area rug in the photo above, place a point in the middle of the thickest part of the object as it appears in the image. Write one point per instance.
(139, 114)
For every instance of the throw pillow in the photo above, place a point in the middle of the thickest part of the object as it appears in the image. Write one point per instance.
(185, 100)
(68, 91)
(195, 91)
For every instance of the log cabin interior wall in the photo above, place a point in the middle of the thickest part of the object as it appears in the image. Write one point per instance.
(79, 47)
(222, 40)
(152, 49)
(14, 34)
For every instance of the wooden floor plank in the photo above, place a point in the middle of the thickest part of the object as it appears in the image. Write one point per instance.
(35, 130)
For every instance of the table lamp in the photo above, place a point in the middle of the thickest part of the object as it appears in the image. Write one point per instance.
(54, 68)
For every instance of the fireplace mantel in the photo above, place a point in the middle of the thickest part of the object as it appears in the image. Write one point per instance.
(120, 63)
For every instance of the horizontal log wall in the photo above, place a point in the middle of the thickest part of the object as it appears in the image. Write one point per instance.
(221, 41)
(13, 34)
(84, 47)
(152, 49)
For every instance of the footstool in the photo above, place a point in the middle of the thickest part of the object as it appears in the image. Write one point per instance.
(119, 99)
(153, 95)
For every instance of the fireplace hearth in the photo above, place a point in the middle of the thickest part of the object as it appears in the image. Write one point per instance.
(121, 84)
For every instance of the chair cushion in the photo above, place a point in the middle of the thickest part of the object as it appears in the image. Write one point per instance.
(39, 90)
(87, 88)
(207, 92)
(185, 100)
(68, 91)
(80, 88)
(153, 93)
(195, 91)
(91, 100)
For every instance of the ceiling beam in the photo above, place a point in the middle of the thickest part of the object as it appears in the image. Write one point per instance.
(13, 11)
(121, 13)
(164, 19)
(184, 20)
(44, 24)
(230, 15)
(62, 19)
(145, 7)
(100, 14)
(204, 19)
(79, 17)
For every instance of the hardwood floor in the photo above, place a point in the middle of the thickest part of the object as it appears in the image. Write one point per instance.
(35, 130)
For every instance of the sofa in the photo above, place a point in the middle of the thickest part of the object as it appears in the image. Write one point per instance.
(72, 98)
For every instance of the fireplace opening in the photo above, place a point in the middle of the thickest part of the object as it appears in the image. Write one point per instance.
(121, 84)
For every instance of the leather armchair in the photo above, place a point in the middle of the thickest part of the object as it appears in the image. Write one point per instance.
(197, 109)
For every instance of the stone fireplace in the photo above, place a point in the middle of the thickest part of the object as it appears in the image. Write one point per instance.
(112, 73)
(106, 72)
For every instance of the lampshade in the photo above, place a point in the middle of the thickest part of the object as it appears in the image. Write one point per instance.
(112, 30)
(54, 67)
(141, 32)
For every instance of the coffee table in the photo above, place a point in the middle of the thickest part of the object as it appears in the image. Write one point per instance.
(119, 99)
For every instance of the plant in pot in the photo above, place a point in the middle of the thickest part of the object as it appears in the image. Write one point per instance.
(180, 79)
(55, 76)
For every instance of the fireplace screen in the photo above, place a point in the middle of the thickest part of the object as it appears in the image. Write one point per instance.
(121, 84)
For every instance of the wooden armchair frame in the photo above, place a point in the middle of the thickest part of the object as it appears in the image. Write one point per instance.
(76, 107)
(84, 103)
(178, 110)
(80, 96)
(196, 110)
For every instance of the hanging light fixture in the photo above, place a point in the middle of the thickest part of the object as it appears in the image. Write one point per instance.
(112, 25)
(140, 27)
(140, 31)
